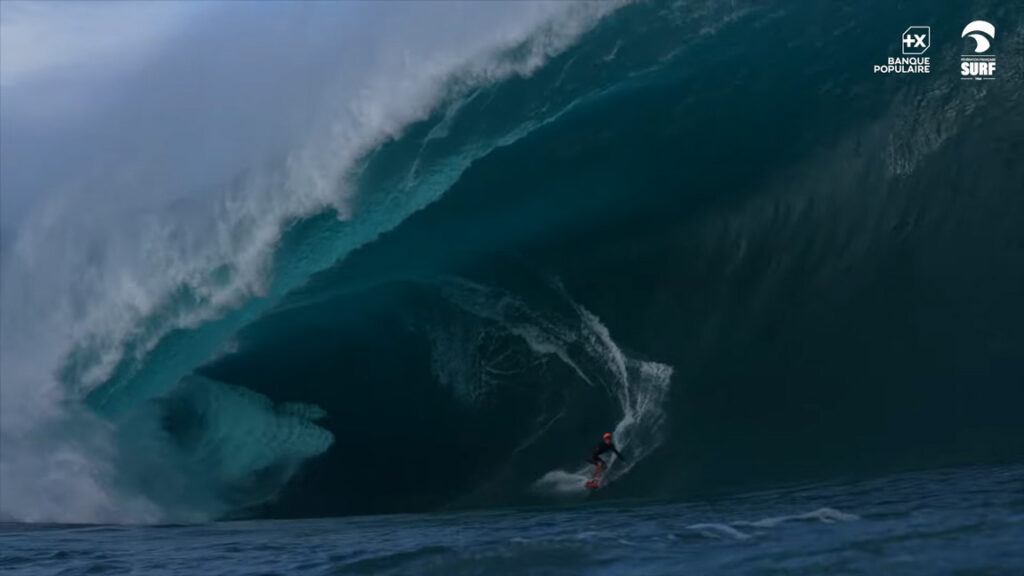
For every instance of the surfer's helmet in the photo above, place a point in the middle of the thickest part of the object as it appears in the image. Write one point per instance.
(607, 435)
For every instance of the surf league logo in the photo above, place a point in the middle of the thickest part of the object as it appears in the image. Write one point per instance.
(978, 66)
(914, 42)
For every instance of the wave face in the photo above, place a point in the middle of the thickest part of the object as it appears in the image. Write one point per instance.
(705, 227)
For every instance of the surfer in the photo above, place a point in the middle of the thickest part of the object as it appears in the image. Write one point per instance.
(605, 445)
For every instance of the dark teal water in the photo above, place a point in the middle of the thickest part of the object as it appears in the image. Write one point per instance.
(968, 521)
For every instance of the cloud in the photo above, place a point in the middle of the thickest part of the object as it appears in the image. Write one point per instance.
(43, 38)
(57, 62)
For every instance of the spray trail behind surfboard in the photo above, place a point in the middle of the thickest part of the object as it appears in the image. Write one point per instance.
(579, 339)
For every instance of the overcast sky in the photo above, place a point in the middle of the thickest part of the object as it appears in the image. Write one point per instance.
(41, 38)
(54, 56)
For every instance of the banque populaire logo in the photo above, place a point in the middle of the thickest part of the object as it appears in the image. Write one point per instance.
(914, 42)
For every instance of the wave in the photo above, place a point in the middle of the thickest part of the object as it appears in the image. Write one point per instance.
(414, 307)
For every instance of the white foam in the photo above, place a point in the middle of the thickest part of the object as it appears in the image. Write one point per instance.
(732, 529)
(562, 482)
(823, 515)
(715, 530)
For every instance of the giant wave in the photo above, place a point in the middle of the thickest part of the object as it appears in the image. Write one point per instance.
(751, 261)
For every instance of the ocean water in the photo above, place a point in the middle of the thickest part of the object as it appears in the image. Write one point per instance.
(951, 521)
(387, 340)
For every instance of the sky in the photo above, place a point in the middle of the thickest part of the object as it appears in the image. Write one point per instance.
(54, 56)
(48, 38)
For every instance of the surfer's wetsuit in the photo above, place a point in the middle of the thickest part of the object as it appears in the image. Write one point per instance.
(603, 447)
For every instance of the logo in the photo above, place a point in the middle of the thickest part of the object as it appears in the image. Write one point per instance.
(916, 40)
(978, 66)
(981, 32)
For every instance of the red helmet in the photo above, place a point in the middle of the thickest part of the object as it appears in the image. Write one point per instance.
(607, 435)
